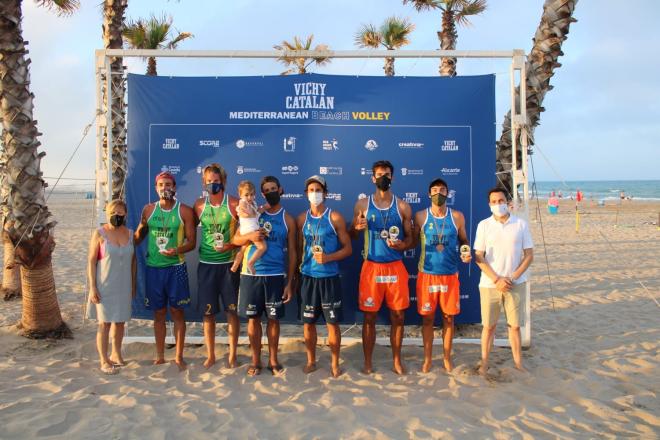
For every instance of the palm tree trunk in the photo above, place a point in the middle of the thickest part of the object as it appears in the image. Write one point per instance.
(541, 64)
(27, 221)
(11, 274)
(389, 66)
(151, 67)
(113, 22)
(448, 37)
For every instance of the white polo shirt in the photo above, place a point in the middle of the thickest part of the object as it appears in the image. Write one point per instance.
(503, 245)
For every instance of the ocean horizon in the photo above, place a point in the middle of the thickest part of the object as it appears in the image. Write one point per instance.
(599, 189)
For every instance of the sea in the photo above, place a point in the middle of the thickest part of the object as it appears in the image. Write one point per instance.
(600, 189)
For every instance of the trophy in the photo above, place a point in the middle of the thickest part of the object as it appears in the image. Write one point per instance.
(465, 249)
(384, 234)
(317, 249)
(218, 239)
(161, 242)
(394, 233)
(268, 227)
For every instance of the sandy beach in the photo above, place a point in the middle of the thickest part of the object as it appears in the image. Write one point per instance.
(593, 364)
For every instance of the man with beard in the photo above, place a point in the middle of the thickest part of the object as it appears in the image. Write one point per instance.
(385, 221)
(170, 229)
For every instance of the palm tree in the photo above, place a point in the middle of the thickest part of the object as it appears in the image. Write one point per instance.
(113, 24)
(153, 33)
(393, 34)
(453, 12)
(540, 66)
(300, 64)
(26, 219)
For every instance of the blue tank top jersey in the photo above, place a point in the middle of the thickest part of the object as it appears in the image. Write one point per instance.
(434, 231)
(381, 224)
(275, 260)
(318, 231)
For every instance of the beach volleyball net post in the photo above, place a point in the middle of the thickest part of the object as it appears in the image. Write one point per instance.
(105, 92)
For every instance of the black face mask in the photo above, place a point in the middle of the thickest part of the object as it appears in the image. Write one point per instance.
(214, 188)
(117, 220)
(438, 199)
(273, 197)
(383, 183)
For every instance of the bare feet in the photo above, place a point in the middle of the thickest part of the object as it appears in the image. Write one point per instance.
(232, 362)
(448, 365)
(521, 369)
(108, 368)
(309, 368)
(254, 370)
(398, 368)
(336, 371)
(209, 362)
(181, 364)
(118, 361)
(159, 361)
(483, 369)
(367, 369)
(426, 366)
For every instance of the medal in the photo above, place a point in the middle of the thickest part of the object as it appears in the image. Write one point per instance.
(439, 231)
(384, 234)
(440, 247)
(218, 239)
(161, 242)
(394, 233)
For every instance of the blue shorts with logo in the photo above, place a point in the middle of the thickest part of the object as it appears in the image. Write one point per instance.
(261, 294)
(167, 286)
(320, 296)
(217, 286)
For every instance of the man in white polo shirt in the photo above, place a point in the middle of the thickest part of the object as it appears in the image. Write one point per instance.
(503, 251)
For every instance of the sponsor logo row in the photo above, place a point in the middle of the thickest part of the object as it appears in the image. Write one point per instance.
(289, 144)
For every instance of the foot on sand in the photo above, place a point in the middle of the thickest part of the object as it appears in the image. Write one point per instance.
(181, 364)
(336, 372)
(275, 369)
(254, 370)
(231, 363)
(310, 368)
(159, 361)
(367, 369)
(426, 366)
(398, 369)
(449, 366)
(117, 361)
(209, 362)
(109, 369)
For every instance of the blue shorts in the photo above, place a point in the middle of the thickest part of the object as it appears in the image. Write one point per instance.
(216, 286)
(320, 296)
(261, 294)
(167, 286)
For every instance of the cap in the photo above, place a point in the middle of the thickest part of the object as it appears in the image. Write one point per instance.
(165, 175)
(318, 179)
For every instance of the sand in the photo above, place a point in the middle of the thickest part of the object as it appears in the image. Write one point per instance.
(593, 363)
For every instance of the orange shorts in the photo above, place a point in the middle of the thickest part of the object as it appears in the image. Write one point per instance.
(438, 289)
(383, 280)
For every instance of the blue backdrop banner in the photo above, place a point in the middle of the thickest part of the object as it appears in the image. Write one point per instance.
(295, 126)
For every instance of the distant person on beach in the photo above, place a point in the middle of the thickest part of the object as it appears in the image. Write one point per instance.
(111, 272)
(248, 221)
(503, 251)
(622, 195)
(270, 285)
(579, 196)
(553, 204)
(169, 227)
(322, 242)
(441, 231)
(217, 285)
(385, 221)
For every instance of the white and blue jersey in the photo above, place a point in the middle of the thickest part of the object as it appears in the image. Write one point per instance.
(381, 225)
(435, 231)
(275, 260)
(318, 231)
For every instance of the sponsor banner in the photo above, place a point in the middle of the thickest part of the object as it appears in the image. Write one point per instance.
(295, 126)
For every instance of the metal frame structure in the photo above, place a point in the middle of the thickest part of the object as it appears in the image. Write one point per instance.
(517, 76)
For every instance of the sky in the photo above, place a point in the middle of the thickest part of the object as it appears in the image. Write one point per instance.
(602, 119)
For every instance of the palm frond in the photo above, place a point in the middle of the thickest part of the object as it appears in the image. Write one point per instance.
(173, 43)
(368, 36)
(395, 32)
(474, 7)
(425, 5)
(61, 7)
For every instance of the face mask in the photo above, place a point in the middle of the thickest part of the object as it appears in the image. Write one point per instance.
(214, 188)
(117, 220)
(273, 198)
(438, 199)
(167, 194)
(315, 198)
(499, 210)
(383, 183)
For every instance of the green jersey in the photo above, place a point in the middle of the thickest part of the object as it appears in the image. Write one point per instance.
(217, 228)
(166, 231)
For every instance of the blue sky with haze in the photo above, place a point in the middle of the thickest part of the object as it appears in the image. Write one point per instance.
(601, 120)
